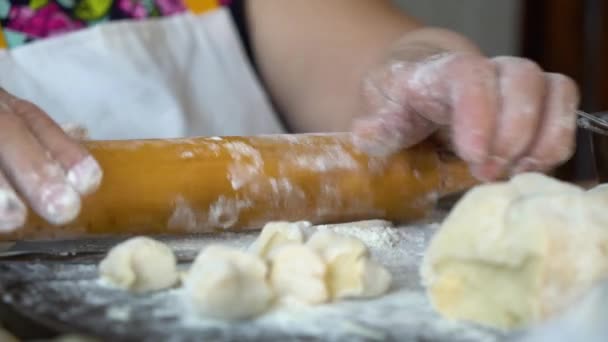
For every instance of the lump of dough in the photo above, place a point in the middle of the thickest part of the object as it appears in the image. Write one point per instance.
(227, 283)
(297, 272)
(599, 194)
(533, 183)
(140, 264)
(600, 189)
(275, 234)
(350, 271)
(509, 255)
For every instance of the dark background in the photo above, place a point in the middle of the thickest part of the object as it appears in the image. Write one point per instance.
(571, 37)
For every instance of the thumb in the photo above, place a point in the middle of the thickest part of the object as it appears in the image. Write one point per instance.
(405, 102)
(387, 133)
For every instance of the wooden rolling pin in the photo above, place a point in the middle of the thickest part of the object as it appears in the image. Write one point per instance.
(234, 183)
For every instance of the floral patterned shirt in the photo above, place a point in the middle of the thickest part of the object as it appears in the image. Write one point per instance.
(23, 21)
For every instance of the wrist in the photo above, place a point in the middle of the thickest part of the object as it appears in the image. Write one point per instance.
(426, 42)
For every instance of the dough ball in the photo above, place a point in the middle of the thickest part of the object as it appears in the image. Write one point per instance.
(599, 190)
(537, 183)
(275, 234)
(350, 272)
(140, 264)
(511, 254)
(298, 273)
(227, 283)
(599, 194)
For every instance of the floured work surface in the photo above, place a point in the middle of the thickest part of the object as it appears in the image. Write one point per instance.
(67, 295)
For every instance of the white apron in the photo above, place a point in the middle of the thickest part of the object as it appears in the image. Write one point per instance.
(184, 75)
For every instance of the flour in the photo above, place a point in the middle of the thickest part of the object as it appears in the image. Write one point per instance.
(225, 212)
(376, 165)
(247, 165)
(331, 200)
(60, 203)
(183, 216)
(404, 314)
(281, 185)
(118, 313)
(187, 155)
(85, 176)
(284, 194)
(426, 77)
(374, 236)
(332, 157)
(12, 210)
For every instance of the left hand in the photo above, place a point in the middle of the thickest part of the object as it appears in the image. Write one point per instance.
(504, 115)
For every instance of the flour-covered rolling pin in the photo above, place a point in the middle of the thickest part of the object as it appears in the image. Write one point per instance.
(234, 183)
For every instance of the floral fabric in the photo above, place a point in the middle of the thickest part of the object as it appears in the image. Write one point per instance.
(23, 21)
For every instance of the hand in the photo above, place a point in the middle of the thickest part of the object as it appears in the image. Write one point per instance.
(40, 164)
(504, 115)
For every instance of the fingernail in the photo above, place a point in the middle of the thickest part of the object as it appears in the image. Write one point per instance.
(526, 165)
(496, 167)
(85, 176)
(490, 170)
(60, 203)
(472, 154)
(12, 211)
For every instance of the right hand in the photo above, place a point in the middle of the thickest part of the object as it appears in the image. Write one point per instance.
(504, 115)
(41, 165)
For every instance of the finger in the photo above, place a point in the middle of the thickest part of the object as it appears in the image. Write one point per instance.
(13, 212)
(33, 173)
(555, 141)
(75, 131)
(391, 124)
(522, 90)
(82, 170)
(475, 105)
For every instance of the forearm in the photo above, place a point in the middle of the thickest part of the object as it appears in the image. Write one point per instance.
(427, 41)
(314, 54)
(329, 62)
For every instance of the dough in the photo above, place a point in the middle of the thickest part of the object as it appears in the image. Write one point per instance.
(275, 234)
(511, 254)
(350, 271)
(6, 336)
(599, 194)
(540, 184)
(599, 190)
(227, 283)
(140, 264)
(297, 272)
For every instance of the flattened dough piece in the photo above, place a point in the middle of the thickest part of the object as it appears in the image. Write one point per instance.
(297, 272)
(227, 283)
(140, 264)
(350, 271)
(275, 234)
(509, 255)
